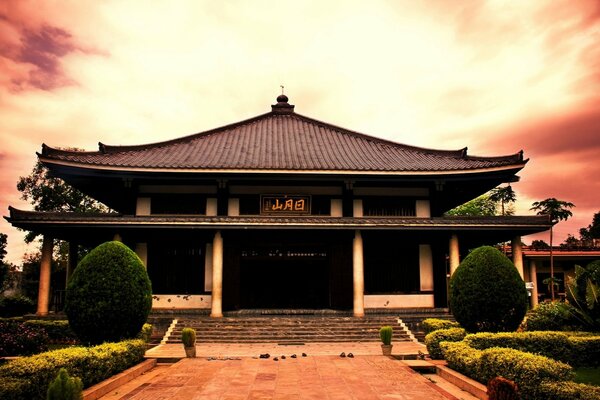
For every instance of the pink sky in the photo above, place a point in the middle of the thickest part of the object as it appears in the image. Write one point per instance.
(495, 76)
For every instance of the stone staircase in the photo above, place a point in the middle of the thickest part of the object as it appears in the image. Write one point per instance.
(288, 329)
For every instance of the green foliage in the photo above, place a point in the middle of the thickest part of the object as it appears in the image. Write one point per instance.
(47, 193)
(480, 206)
(146, 333)
(433, 340)
(18, 339)
(487, 293)
(433, 324)
(109, 295)
(550, 316)
(15, 306)
(583, 291)
(58, 331)
(65, 387)
(385, 334)
(527, 370)
(557, 210)
(500, 388)
(188, 337)
(539, 245)
(568, 391)
(560, 346)
(504, 195)
(91, 364)
(13, 389)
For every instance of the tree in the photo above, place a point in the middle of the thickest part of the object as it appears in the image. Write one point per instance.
(557, 210)
(487, 293)
(47, 193)
(539, 245)
(592, 233)
(583, 291)
(480, 206)
(109, 295)
(4, 267)
(504, 195)
(571, 242)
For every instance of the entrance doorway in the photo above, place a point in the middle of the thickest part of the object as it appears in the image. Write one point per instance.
(290, 279)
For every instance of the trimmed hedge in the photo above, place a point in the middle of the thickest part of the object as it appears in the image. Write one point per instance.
(14, 306)
(18, 339)
(58, 331)
(575, 350)
(90, 364)
(433, 340)
(527, 370)
(433, 324)
(569, 391)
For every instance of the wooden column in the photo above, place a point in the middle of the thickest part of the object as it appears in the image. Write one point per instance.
(217, 277)
(517, 254)
(454, 253)
(358, 275)
(117, 238)
(45, 269)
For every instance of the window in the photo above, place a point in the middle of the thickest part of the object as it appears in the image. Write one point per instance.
(178, 204)
(389, 207)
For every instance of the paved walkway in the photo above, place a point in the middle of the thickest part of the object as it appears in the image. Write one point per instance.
(254, 349)
(313, 377)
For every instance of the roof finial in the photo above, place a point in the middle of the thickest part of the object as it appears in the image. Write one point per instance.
(282, 87)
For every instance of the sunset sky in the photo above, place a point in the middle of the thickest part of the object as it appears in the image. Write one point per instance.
(496, 76)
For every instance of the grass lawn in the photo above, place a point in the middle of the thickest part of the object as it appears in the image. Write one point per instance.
(588, 375)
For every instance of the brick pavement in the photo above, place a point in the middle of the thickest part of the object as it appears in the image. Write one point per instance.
(314, 377)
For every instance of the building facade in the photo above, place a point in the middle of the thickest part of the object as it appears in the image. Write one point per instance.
(284, 211)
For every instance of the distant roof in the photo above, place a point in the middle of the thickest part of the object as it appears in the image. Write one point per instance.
(280, 140)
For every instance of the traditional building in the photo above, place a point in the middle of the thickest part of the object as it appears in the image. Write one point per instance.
(284, 211)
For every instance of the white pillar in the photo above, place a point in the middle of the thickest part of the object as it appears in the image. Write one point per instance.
(358, 275)
(217, 277)
(425, 267)
(45, 268)
(517, 254)
(454, 253)
(533, 277)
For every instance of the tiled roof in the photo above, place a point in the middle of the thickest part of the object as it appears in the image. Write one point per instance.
(280, 140)
(22, 218)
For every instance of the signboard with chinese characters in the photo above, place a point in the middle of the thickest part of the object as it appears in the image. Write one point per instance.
(284, 204)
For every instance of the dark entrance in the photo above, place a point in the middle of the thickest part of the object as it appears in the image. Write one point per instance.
(284, 278)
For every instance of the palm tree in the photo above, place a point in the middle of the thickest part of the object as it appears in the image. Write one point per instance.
(504, 195)
(557, 210)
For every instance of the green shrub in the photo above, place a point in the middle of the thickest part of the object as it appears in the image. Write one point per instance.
(554, 345)
(433, 324)
(65, 387)
(18, 339)
(188, 337)
(550, 316)
(13, 389)
(14, 306)
(527, 370)
(385, 334)
(109, 295)
(90, 364)
(583, 291)
(585, 350)
(433, 340)
(487, 293)
(500, 388)
(568, 391)
(574, 350)
(462, 358)
(58, 331)
(146, 333)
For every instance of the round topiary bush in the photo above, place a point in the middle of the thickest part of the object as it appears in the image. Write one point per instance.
(109, 295)
(487, 293)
